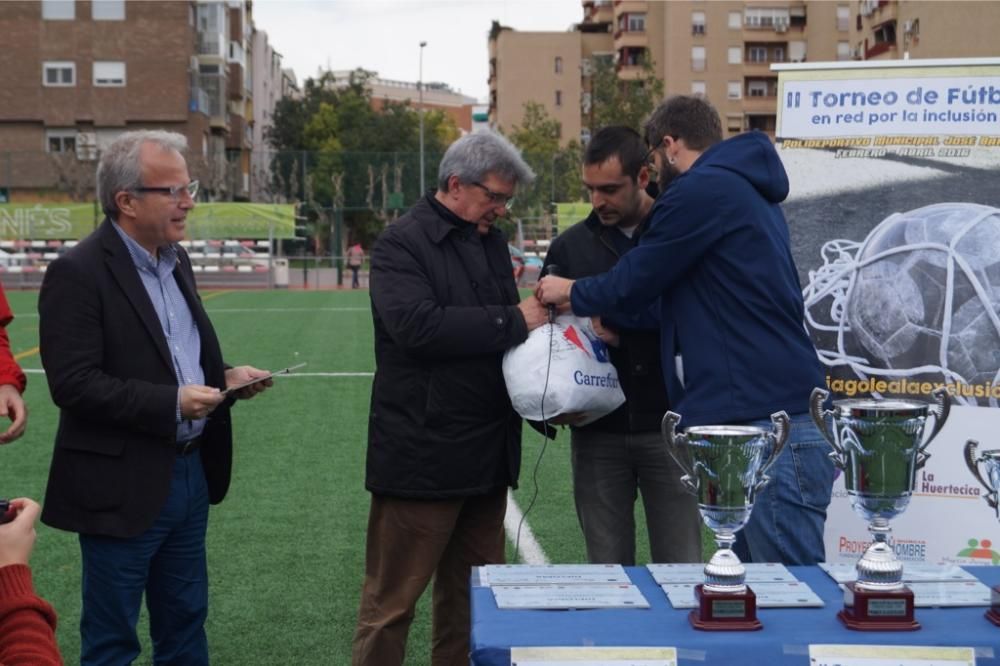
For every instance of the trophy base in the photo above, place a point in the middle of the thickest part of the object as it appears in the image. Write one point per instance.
(993, 614)
(725, 611)
(870, 610)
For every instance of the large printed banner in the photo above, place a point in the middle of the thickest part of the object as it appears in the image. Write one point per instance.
(894, 214)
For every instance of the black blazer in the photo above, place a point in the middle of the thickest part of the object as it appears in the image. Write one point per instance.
(110, 374)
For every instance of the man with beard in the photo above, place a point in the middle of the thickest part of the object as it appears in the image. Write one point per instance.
(717, 262)
(622, 454)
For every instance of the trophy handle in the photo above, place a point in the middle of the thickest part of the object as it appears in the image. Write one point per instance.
(819, 415)
(668, 428)
(777, 438)
(970, 461)
(940, 411)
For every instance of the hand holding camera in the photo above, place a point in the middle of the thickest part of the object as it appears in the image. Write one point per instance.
(17, 530)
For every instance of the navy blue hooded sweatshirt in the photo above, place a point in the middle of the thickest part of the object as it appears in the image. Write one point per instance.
(717, 257)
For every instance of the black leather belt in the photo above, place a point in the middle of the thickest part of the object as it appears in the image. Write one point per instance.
(190, 446)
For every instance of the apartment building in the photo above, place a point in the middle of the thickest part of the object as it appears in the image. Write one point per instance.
(270, 84)
(76, 73)
(722, 49)
(435, 95)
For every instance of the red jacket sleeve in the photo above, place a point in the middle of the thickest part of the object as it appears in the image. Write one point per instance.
(10, 371)
(27, 622)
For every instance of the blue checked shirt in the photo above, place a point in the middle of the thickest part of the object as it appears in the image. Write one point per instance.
(175, 316)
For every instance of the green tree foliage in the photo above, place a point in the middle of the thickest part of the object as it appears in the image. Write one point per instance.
(618, 102)
(334, 135)
(557, 169)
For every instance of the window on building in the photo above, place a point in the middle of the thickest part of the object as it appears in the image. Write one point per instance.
(558, 65)
(757, 88)
(757, 54)
(60, 140)
(58, 73)
(734, 124)
(843, 18)
(765, 17)
(559, 98)
(109, 73)
(734, 90)
(107, 10)
(779, 54)
(885, 33)
(735, 20)
(698, 88)
(697, 23)
(735, 55)
(843, 50)
(698, 58)
(58, 10)
(637, 23)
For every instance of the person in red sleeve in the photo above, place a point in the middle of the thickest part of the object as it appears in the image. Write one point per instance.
(27, 622)
(12, 380)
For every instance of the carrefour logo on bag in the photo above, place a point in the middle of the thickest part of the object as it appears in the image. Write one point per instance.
(607, 381)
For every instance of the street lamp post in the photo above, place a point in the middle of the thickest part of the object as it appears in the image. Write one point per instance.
(420, 103)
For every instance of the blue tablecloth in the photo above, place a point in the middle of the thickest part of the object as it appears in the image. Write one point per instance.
(785, 638)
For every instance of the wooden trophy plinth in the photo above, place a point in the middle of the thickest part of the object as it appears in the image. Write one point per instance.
(725, 611)
(993, 614)
(881, 610)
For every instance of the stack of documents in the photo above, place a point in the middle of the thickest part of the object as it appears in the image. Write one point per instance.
(932, 584)
(561, 586)
(774, 585)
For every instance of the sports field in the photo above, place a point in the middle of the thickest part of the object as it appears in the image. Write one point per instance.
(286, 547)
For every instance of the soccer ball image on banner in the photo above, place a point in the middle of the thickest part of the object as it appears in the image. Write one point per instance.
(918, 299)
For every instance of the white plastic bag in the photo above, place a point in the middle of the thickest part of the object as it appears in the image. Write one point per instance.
(581, 378)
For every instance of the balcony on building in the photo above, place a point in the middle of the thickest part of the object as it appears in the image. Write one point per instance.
(760, 94)
(761, 24)
(212, 81)
(631, 62)
(762, 122)
(212, 38)
(630, 31)
(629, 6)
(759, 56)
(883, 40)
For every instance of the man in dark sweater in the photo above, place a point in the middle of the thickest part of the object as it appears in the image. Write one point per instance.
(622, 454)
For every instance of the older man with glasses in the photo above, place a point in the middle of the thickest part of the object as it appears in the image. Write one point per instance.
(144, 443)
(444, 443)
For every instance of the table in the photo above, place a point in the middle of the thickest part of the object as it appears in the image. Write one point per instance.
(785, 638)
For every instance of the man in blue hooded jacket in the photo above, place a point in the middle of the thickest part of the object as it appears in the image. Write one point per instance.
(717, 259)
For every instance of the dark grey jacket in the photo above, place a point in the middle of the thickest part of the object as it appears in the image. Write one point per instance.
(444, 305)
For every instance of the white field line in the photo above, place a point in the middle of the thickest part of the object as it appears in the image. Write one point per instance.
(529, 550)
(34, 315)
(217, 310)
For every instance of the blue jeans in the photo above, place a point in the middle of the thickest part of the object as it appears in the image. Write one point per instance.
(168, 562)
(790, 512)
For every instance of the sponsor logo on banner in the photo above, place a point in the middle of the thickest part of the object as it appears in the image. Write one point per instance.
(907, 550)
(979, 551)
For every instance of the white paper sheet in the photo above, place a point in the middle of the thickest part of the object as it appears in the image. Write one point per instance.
(565, 597)
(845, 572)
(560, 574)
(772, 572)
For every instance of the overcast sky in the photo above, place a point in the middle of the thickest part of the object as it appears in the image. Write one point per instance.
(385, 35)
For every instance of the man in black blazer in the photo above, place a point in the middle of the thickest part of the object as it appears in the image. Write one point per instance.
(144, 443)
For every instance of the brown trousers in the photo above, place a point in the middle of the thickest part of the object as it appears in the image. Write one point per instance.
(409, 541)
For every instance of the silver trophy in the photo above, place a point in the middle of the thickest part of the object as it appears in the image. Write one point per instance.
(725, 467)
(988, 462)
(880, 445)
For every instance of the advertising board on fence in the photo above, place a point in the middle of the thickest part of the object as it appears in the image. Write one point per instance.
(894, 214)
